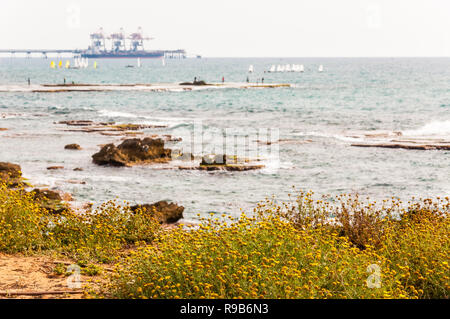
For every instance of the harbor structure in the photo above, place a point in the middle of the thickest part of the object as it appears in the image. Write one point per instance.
(114, 45)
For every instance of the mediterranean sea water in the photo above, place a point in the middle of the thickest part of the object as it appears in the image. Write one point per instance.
(319, 117)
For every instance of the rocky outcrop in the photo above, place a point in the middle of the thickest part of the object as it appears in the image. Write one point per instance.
(407, 146)
(194, 83)
(10, 174)
(50, 200)
(214, 160)
(72, 147)
(107, 128)
(166, 213)
(133, 151)
(223, 163)
(50, 168)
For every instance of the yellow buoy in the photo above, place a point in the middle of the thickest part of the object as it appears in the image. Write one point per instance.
(52, 64)
(67, 64)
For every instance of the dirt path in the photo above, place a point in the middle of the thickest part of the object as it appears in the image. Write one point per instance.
(34, 274)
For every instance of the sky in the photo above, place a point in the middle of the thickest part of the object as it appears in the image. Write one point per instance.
(238, 28)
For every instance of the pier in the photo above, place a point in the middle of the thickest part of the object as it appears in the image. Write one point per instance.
(168, 54)
(42, 52)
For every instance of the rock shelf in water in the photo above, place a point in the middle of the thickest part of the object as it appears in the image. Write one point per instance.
(406, 145)
(150, 87)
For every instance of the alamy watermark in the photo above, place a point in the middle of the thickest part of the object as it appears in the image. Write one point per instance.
(238, 145)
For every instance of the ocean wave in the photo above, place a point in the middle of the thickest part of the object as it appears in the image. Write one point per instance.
(435, 128)
(117, 114)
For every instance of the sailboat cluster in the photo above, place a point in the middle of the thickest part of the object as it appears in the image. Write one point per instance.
(287, 68)
(81, 63)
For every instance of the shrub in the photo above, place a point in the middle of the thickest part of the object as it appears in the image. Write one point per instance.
(27, 227)
(273, 256)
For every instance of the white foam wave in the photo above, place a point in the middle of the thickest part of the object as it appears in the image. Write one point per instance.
(435, 128)
(117, 114)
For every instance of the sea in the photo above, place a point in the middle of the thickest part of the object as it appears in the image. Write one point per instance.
(316, 119)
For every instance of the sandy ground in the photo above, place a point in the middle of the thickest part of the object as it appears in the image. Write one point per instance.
(34, 274)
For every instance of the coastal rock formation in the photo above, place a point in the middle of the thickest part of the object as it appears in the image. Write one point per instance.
(407, 145)
(214, 160)
(194, 83)
(55, 167)
(133, 151)
(50, 200)
(166, 213)
(223, 163)
(10, 174)
(72, 147)
(107, 128)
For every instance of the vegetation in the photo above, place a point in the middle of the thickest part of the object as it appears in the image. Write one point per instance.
(306, 248)
(99, 236)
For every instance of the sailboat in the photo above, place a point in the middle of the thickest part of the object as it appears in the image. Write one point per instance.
(250, 69)
(164, 62)
(272, 69)
(287, 68)
(52, 64)
(321, 68)
(301, 68)
(95, 64)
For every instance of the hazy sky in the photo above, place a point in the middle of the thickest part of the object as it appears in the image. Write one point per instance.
(238, 27)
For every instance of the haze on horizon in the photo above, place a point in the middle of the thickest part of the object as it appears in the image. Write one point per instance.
(236, 28)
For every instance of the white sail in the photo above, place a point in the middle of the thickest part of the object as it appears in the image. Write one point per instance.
(287, 68)
(272, 68)
(282, 68)
(321, 68)
(279, 68)
(302, 68)
(295, 67)
(138, 62)
(164, 62)
(250, 69)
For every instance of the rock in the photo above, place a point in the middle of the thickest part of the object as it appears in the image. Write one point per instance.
(73, 181)
(45, 194)
(110, 155)
(214, 160)
(50, 200)
(78, 169)
(166, 213)
(107, 128)
(55, 167)
(72, 147)
(3, 129)
(194, 83)
(285, 141)
(408, 146)
(133, 151)
(10, 174)
(77, 123)
(227, 167)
